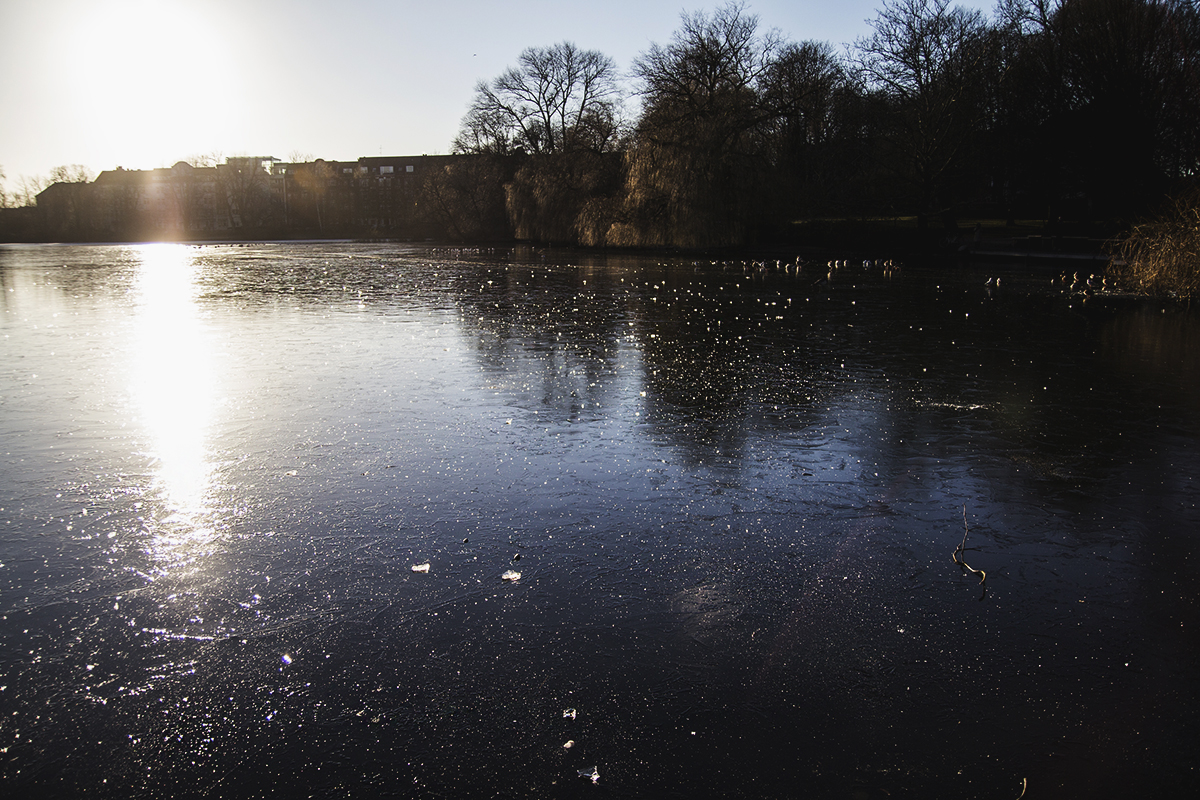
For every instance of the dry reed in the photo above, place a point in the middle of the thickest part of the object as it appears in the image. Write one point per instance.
(1161, 256)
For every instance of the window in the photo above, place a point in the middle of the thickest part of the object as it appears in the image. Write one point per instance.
(385, 170)
(408, 168)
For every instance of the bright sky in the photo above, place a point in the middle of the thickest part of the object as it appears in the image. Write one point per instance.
(145, 83)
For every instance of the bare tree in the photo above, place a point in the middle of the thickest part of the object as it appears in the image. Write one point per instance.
(556, 99)
(1130, 69)
(486, 130)
(924, 56)
(464, 199)
(1027, 17)
(799, 89)
(27, 190)
(70, 173)
(699, 153)
(806, 89)
(200, 160)
(1102, 102)
(709, 73)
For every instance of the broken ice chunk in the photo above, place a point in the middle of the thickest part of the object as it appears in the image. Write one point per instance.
(592, 773)
(421, 567)
(569, 713)
(511, 575)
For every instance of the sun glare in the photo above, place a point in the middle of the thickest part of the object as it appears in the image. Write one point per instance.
(155, 81)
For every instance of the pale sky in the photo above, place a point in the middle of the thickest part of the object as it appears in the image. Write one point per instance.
(146, 83)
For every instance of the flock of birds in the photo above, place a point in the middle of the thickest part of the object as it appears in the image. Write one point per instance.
(750, 267)
(1086, 284)
(794, 267)
(1075, 283)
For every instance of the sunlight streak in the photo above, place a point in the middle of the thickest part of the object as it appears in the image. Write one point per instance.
(173, 386)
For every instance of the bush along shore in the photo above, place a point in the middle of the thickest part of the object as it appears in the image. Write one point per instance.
(1161, 256)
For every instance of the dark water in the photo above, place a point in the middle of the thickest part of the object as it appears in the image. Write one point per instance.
(732, 500)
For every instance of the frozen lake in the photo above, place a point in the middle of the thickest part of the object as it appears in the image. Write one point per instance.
(732, 500)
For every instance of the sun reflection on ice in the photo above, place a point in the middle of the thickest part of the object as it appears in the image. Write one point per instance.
(174, 394)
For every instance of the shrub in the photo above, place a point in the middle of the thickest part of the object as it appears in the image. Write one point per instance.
(1162, 256)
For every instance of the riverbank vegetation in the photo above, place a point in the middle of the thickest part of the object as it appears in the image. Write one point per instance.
(1162, 256)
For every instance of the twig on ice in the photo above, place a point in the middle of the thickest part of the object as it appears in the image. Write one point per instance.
(957, 554)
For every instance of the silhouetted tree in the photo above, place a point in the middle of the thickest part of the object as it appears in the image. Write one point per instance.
(698, 151)
(805, 87)
(1102, 99)
(212, 159)
(556, 99)
(27, 189)
(70, 173)
(1130, 73)
(465, 199)
(560, 106)
(547, 197)
(925, 58)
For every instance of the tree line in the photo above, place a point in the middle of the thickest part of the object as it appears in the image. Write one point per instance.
(1069, 111)
(26, 188)
(1058, 110)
